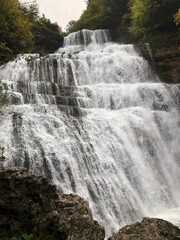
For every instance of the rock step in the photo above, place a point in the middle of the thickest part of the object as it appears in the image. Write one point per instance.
(17, 99)
(45, 88)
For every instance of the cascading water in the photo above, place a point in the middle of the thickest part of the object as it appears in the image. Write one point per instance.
(96, 120)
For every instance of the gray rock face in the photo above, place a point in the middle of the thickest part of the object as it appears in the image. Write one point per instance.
(30, 204)
(148, 229)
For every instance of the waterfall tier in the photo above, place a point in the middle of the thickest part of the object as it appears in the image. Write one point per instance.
(96, 120)
(86, 37)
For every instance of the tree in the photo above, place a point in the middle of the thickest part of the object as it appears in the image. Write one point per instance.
(70, 26)
(22, 29)
(15, 28)
(48, 36)
(152, 15)
(105, 14)
(31, 12)
(140, 12)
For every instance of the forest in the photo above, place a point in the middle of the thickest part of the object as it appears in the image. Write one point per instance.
(22, 29)
(131, 20)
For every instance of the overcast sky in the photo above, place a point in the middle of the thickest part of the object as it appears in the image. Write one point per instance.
(61, 11)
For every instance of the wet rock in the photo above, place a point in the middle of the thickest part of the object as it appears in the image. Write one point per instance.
(168, 64)
(148, 229)
(17, 120)
(31, 204)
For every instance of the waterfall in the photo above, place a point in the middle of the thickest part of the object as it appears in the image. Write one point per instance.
(98, 122)
(85, 37)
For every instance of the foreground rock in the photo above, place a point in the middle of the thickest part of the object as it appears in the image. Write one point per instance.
(148, 229)
(30, 204)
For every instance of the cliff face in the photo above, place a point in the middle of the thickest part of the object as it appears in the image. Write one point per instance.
(167, 63)
(166, 52)
(30, 204)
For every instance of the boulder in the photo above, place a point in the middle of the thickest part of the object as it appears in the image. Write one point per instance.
(148, 229)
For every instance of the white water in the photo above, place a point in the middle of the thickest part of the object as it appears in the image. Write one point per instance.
(97, 121)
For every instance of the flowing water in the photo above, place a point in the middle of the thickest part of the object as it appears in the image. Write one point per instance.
(96, 120)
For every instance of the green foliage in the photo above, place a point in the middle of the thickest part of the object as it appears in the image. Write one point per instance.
(23, 30)
(31, 12)
(48, 36)
(14, 27)
(140, 12)
(70, 26)
(106, 14)
(135, 19)
(150, 16)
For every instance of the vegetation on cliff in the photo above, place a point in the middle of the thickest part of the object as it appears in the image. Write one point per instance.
(138, 18)
(149, 16)
(106, 14)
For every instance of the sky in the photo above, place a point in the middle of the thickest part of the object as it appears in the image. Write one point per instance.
(61, 11)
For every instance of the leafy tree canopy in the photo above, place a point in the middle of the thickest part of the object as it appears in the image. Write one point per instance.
(22, 29)
(48, 36)
(152, 15)
(136, 18)
(15, 28)
(100, 14)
